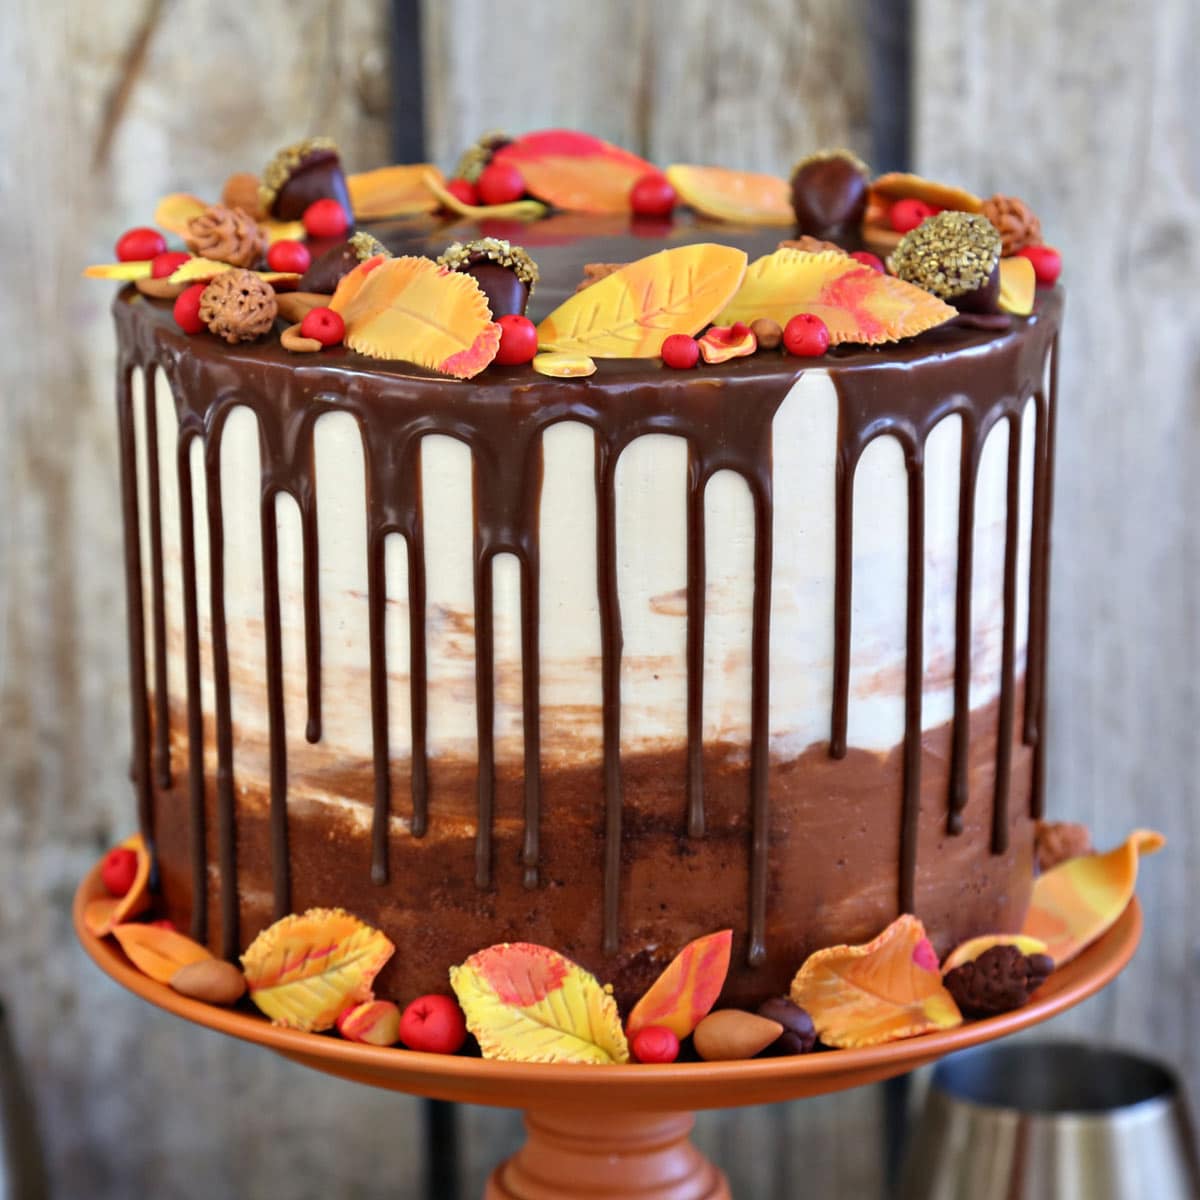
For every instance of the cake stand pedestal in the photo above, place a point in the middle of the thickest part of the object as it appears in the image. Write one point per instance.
(609, 1132)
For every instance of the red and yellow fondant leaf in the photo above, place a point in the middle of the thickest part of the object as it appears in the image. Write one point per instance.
(527, 1003)
(888, 989)
(629, 313)
(741, 197)
(305, 969)
(686, 991)
(173, 212)
(104, 914)
(158, 952)
(1079, 900)
(856, 303)
(397, 191)
(575, 171)
(412, 309)
(971, 949)
(515, 210)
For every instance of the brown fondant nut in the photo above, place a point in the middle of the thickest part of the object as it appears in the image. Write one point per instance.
(767, 333)
(238, 306)
(1058, 841)
(212, 980)
(226, 235)
(731, 1033)
(998, 981)
(799, 1035)
(241, 191)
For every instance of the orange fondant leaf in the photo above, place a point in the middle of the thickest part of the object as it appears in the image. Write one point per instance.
(103, 914)
(685, 992)
(158, 952)
(888, 989)
(901, 185)
(526, 1003)
(305, 969)
(1079, 900)
(720, 343)
(737, 196)
(971, 949)
(1018, 285)
(173, 212)
(575, 171)
(856, 303)
(516, 210)
(629, 313)
(140, 269)
(411, 309)
(563, 366)
(397, 191)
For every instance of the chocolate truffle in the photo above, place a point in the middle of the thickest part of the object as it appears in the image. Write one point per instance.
(954, 255)
(829, 193)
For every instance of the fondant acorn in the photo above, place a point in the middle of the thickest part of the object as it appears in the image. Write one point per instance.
(301, 174)
(505, 273)
(829, 193)
(339, 260)
(956, 256)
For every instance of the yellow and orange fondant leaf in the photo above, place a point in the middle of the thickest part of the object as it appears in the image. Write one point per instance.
(105, 913)
(412, 309)
(123, 272)
(305, 969)
(856, 303)
(527, 1003)
(1018, 286)
(396, 191)
(735, 196)
(1080, 900)
(687, 989)
(629, 313)
(887, 989)
(158, 952)
(173, 212)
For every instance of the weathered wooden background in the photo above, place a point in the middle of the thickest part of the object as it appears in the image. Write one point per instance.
(1084, 107)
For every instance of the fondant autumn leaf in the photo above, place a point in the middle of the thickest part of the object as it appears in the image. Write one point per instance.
(737, 196)
(158, 952)
(411, 309)
(527, 1003)
(173, 213)
(1079, 900)
(515, 210)
(303, 970)
(629, 313)
(1018, 286)
(395, 191)
(685, 992)
(856, 303)
(102, 915)
(888, 989)
(575, 171)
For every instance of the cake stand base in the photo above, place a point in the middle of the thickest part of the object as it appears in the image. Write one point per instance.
(648, 1156)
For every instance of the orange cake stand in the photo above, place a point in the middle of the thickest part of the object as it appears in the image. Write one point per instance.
(619, 1131)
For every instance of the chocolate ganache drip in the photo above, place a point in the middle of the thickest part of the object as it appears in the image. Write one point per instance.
(726, 417)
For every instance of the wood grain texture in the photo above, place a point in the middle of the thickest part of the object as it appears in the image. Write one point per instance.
(1087, 111)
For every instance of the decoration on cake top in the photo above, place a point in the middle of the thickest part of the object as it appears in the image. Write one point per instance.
(829, 193)
(687, 988)
(856, 303)
(720, 343)
(1015, 222)
(955, 256)
(396, 191)
(238, 306)
(526, 1003)
(227, 235)
(1075, 903)
(1017, 286)
(741, 197)
(175, 213)
(305, 969)
(504, 272)
(627, 314)
(339, 260)
(515, 210)
(301, 174)
(476, 156)
(559, 365)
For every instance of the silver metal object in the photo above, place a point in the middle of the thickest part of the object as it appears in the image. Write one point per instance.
(22, 1169)
(1052, 1121)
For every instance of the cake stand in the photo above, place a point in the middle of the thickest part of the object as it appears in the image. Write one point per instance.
(625, 1131)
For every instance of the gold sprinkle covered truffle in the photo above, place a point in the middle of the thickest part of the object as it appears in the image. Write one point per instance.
(477, 156)
(280, 168)
(504, 254)
(950, 254)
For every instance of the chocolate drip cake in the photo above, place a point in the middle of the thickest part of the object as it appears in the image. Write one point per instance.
(602, 663)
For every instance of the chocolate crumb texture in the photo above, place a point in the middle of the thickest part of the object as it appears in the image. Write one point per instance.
(998, 981)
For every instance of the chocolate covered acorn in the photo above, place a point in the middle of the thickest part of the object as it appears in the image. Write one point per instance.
(339, 260)
(829, 193)
(505, 273)
(300, 174)
(956, 256)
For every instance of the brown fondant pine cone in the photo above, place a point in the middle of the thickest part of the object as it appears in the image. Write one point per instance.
(238, 306)
(226, 235)
(1015, 221)
(998, 981)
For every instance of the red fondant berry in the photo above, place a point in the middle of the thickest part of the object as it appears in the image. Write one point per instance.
(500, 182)
(463, 190)
(118, 870)
(140, 244)
(680, 351)
(288, 255)
(868, 260)
(326, 219)
(655, 1044)
(806, 336)
(909, 213)
(1047, 263)
(518, 340)
(433, 1023)
(324, 325)
(167, 263)
(653, 196)
(187, 309)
